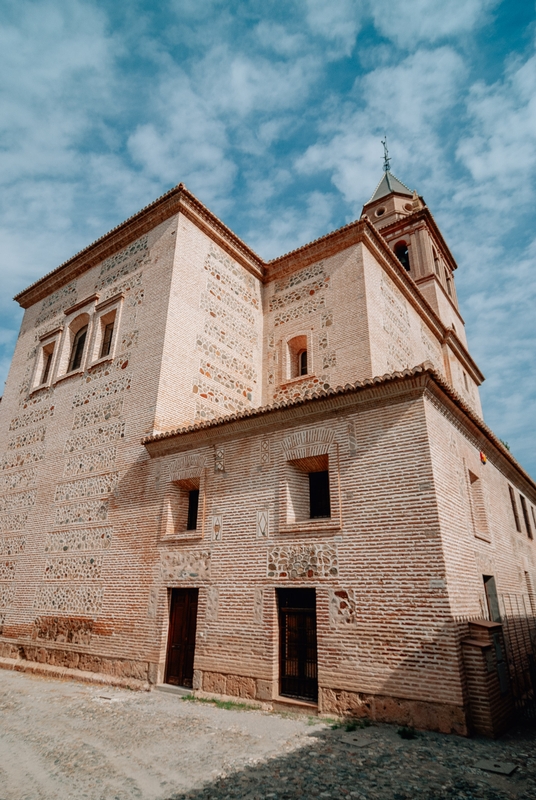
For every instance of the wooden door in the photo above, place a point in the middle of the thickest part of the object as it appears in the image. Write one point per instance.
(297, 638)
(181, 638)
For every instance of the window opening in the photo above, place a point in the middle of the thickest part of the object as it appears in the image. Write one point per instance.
(319, 500)
(436, 262)
(193, 506)
(465, 382)
(514, 508)
(303, 362)
(298, 362)
(402, 253)
(492, 598)
(533, 515)
(449, 286)
(107, 339)
(47, 362)
(526, 515)
(478, 505)
(77, 350)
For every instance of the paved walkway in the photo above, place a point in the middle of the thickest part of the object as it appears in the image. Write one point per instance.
(72, 741)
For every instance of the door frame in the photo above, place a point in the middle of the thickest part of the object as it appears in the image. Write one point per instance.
(173, 591)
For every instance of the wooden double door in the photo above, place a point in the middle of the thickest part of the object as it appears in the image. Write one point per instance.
(181, 637)
(297, 644)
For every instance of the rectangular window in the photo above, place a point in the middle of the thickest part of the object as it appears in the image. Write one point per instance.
(492, 598)
(319, 501)
(107, 334)
(193, 505)
(478, 509)
(526, 515)
(514, 508)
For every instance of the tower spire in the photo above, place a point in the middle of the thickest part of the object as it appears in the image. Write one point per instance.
(386, 159)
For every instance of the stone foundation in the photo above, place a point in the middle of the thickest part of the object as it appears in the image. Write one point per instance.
(235, 686)
(416, 713)
(74, 661)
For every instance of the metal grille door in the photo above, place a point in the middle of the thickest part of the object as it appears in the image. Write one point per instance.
(298, 651)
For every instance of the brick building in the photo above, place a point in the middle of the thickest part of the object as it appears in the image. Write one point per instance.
(269, 480)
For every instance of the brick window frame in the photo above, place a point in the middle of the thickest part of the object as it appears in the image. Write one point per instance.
(109, 311)
(294, 345)
(76, 317)
(294, 508)
(174, 516)
(515, 510)
(477, 505)
(49, 346)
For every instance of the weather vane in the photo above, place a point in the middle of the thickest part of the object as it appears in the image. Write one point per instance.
(386, 159)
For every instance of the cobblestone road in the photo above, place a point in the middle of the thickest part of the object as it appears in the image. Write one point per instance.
(70, 741)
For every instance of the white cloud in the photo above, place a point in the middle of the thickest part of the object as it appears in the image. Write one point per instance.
(410, 24)
(338, 21)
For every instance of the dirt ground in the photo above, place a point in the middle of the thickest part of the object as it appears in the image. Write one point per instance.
(68, 741)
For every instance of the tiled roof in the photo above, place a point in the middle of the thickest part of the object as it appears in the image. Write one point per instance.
(388, 185)
(322, 394)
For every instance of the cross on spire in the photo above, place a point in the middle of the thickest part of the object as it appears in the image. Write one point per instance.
(386, 159)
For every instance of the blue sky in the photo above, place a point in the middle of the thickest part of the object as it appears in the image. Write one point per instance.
(272, 114)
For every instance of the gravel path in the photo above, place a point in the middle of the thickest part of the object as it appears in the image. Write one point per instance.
(72, 741)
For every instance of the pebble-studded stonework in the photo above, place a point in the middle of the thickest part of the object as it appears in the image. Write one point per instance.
(295, 296)
(62, 629)
(55, 303)
(185, 565)
(27, 438)
(329, 360)
(228, 321)
(111, 273)
(73, 568)
(102, 390)
(89, 511)
(79, 539)
(12, 545)
(212, 372)
(87, 487)
(103, 434)
(237, 284)
(217, 397)
(31, 418)
(7, 570)
(293, 391)
(125, 286)
(91, 461)
(227, 299)
(15, 502)
(342, 607)
(234, 343)
(98, 414)
(297, 312)
(22, 457)
(227, 359)
(72, 599)
(302, 275)
(294, 561)
(7, 594)
(13, 522)
(41, 396)
(137, 247)
(396, 326)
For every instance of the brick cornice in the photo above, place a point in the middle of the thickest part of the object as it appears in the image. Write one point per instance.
(422, 380)
(177, 200)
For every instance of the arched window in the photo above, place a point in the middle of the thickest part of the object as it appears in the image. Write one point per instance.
(302, 362)
(298, 362)
(401, 252)
(77, 348)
